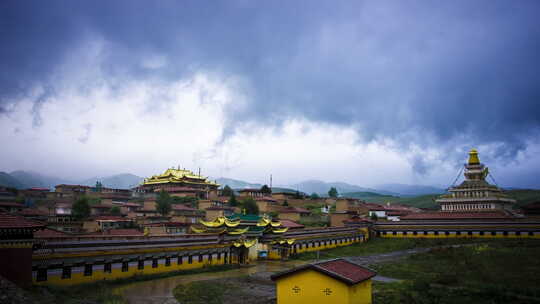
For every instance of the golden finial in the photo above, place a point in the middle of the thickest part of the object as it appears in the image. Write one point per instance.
(473, 157)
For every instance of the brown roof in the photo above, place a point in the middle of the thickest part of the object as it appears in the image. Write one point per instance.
(294, 210)
(291, 224)
(11, 204)
(32, 212)
(374, 207)
(220, 208)
(111, 218)
(339, 269)
(8, 221)
(455, 215)
(181, 207)
(49, 233)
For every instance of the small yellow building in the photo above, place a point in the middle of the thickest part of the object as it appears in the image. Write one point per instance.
(334, 281)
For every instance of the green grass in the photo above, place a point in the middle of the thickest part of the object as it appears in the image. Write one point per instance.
(497, 272)
(202, 292)
(384, 245)
(523, 198)
(103, 291)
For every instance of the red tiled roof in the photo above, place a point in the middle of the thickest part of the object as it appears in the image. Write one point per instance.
(11, 204)
(374, 207)
(8, 221)
(38, 189)
(220, 208)
(294, 210)
(181, 207)
(455, 215)
(169, 224)
(339, 269)
(49, 233)
(32, 212)
(291, 224)
(63, 205)
(111, 218)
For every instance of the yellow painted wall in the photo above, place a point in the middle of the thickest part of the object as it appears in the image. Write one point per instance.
(54, 277)
(475, 234)
(309, 286)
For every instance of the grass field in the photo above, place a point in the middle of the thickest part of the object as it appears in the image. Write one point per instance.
(496, 272)
(384, 245)
(523, 197)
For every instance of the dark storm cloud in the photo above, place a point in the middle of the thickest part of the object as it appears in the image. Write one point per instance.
(417, 72)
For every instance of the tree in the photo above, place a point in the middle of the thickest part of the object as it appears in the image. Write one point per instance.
(192, 201)
(266, 190)
(314, 196)
(227, 191)
(115, 210)
(333, 192)
(99, 186)
(233, 202)
(250, 205)
(285, 203)
(81, 208)
(374, 216)
(163, 201)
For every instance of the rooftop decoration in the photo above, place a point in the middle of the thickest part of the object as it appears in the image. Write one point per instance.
(178, 176)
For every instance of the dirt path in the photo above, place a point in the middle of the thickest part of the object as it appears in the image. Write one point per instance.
(253, 281)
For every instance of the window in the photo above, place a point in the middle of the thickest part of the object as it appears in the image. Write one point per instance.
(66, 272)
(190, 259)
(505, 233)
(518, 232)
(394, 233)
(41, 274)
(425, 232)
(481, 232)
(210, 257)
(167, 261)
(180, 260)
(469, 232)
(458, 233)
(125, 266)
(436, 232)
(219, 255)
(415, 233)
(493, 233)
(107, 268)
(87, 270)
(531, 233)
(200, 258)
(154, 263)
(446, 233)
(140, 265)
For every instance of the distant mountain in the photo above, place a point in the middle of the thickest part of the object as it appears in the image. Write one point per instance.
(365, 195)
(7, 180)
(118, 181)
(410, 190)
(235, 183)
(321, 188)
(30, 179)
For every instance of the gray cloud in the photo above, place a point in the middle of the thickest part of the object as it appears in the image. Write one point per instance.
(420, 73)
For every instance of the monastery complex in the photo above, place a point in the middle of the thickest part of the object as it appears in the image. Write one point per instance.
(127, 233)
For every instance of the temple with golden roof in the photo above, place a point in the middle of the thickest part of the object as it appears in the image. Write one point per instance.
(475, 193)
(180, 182)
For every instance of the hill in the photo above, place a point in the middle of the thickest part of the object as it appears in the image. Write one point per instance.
(235, 183)
(410, 190)
(7, 180)
(118, 181)
(321, 188)
(30, 179)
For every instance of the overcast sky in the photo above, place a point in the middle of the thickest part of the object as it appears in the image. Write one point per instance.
(362, 92)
